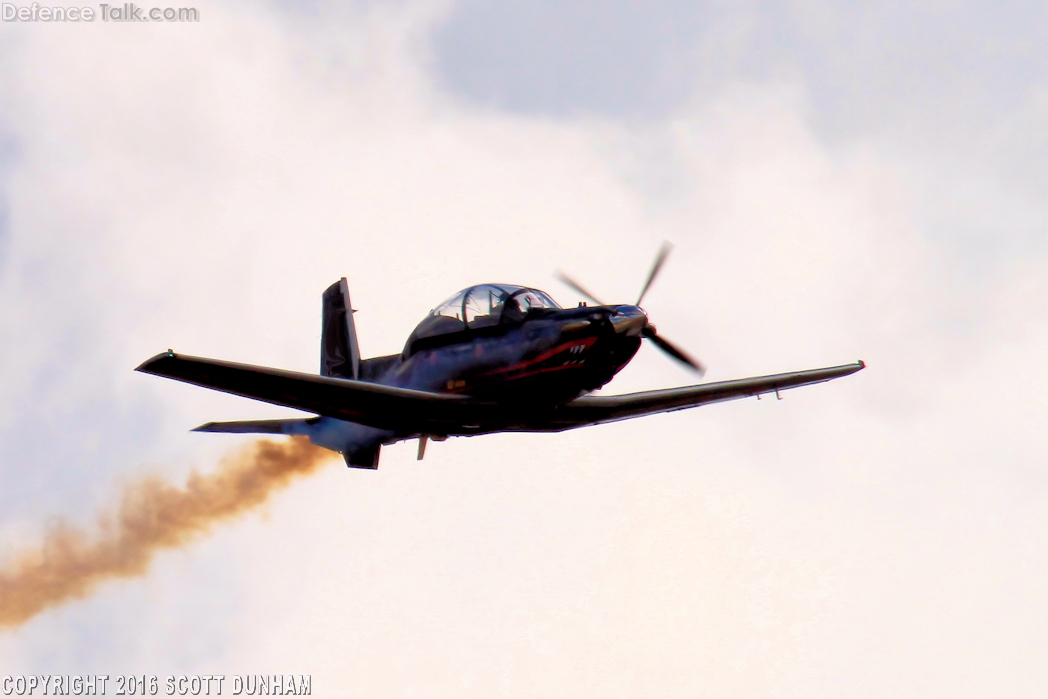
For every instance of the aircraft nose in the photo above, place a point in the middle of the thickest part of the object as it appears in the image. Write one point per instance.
(629, 321)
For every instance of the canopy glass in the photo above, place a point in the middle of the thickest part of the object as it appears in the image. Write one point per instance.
(482, 306)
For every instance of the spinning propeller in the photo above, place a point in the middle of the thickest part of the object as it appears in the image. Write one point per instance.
(649, 330)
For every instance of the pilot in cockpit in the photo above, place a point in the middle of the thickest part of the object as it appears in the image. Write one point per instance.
(511, 311)
(517, 306)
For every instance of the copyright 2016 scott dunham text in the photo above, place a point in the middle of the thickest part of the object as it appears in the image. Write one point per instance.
(151, 685)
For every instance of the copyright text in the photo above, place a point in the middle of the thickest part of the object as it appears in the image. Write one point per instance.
(151, 685)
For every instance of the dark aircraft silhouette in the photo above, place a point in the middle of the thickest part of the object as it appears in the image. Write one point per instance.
(492, 358)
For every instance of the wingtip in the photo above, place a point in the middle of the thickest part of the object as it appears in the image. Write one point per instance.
(145, 366)
(862, 364)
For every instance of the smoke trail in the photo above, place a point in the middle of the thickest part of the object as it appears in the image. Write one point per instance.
(153, 515)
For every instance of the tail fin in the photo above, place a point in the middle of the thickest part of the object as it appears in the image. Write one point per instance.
(339, 354)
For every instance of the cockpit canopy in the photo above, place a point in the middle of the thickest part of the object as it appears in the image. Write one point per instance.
(481, 306)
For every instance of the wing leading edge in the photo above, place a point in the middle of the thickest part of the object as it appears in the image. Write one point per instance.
(410, 412)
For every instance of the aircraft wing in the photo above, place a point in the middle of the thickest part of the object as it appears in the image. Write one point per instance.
(386, 407)
(594, 410)
(408, 412)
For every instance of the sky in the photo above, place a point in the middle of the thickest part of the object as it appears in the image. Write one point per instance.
(841, 181)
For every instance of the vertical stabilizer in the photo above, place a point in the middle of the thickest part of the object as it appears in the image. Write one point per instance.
(339, 354)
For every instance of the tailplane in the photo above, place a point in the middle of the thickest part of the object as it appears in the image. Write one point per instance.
(360, 446)
(339, 353)
(300, 426)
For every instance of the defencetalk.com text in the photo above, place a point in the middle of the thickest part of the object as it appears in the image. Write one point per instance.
(126, 12)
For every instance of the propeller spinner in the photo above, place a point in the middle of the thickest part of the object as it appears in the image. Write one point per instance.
(649, 330)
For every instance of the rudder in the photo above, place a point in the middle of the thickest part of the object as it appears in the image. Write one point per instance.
(339, 353)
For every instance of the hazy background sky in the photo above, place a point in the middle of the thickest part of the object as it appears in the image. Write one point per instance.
(841, 181)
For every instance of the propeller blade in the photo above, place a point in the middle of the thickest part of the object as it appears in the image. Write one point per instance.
(664, 251)
(673, 351)
(578, 287)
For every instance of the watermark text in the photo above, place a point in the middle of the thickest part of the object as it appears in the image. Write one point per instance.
(126, 12)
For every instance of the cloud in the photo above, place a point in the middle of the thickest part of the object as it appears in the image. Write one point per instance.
(197, 187)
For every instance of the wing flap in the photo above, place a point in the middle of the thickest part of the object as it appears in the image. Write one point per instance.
(385, 407)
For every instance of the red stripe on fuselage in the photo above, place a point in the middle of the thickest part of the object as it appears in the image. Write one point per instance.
(585, 343)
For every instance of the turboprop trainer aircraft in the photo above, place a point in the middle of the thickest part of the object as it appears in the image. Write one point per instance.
(492, 358)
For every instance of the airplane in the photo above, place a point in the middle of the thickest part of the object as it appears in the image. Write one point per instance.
(492, 358)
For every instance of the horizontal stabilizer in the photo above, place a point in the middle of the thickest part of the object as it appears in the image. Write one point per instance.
(257, 427)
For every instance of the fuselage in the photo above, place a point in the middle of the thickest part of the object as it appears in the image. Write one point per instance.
(548, 356)
(499, 343)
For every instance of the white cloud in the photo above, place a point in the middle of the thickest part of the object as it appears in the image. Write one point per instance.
(198, 186)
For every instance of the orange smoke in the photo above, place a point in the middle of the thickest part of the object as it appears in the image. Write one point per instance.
(153, 515)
